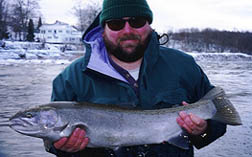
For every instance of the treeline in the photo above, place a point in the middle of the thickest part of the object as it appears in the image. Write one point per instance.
(16, 16)
(211, 40)
(19, 19)
(85, 12)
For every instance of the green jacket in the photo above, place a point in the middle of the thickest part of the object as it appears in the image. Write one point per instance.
(166, 78)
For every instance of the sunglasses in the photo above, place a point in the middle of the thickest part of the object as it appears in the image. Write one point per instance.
(118, 24)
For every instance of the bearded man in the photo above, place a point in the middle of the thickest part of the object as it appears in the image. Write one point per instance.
(125, 64)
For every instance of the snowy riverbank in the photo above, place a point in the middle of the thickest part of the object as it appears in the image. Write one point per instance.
(34, 52)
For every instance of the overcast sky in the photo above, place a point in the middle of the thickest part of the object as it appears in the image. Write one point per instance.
(173, 14)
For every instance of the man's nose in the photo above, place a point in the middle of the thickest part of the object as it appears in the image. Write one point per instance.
(127, 28)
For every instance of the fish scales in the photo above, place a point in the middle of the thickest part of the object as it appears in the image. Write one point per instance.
(113, 127)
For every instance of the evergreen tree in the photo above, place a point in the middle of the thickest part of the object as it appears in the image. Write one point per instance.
(30, 36)
(20, 13)
(39, 23)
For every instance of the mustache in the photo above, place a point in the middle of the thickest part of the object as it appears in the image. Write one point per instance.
(130, 37)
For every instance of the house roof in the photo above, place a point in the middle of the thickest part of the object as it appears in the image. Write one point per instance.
(59, 24)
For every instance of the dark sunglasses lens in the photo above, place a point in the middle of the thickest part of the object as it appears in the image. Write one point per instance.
(137, 22)
(116, 25)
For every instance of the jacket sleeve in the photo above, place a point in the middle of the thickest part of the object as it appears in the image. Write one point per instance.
(62, 89)
(214, 129)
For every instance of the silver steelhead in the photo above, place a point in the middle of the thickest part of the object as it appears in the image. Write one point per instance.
(113, 127)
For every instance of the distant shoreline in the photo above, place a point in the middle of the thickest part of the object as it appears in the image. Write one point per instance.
(17, 50)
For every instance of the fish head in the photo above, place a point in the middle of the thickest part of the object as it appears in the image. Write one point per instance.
(36, 122)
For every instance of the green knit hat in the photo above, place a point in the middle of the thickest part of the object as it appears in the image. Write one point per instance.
(115, 9)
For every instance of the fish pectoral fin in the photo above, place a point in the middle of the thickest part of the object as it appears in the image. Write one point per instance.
(64, 131)
(180, 141)
(60, 128)
(67, 129)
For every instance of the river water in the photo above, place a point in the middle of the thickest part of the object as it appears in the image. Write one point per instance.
(25, 83)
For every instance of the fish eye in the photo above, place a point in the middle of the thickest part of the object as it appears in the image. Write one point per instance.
(28, 115)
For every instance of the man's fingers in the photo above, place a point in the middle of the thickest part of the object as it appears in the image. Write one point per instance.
(186, 118)
(198, 121)
(84, 143)
(182, 124)
(191, 123)
(180, 121)
(195, 119)
(71, 141)
(184, 103)
(78, 143)
(60, 143)
(200, 124)
(183, 115)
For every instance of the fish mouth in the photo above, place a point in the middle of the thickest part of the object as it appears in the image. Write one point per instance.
(23, 127)
(23, 130)
(5, 124)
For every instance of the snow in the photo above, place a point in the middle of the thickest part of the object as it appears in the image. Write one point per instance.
(12, 52)
(37, 53)
(227, 56)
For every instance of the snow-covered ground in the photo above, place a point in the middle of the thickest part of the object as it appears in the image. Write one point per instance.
(44, 53)
(35, 52)
(227, 56)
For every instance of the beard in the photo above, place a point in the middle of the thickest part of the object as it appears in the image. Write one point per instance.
(121, 52)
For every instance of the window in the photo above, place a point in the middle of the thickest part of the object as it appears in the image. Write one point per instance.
(49, 31)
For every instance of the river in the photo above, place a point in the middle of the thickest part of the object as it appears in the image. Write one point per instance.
(24, 83)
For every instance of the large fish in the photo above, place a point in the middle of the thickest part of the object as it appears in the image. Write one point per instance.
(113, 127)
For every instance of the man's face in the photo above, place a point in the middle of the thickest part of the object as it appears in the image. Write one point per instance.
(128, 43)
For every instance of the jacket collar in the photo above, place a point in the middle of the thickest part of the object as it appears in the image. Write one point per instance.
(96, 56)
(151, 53)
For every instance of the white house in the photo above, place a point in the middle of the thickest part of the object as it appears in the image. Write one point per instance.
(59, 32)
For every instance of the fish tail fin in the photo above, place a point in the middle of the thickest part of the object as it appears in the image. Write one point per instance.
(226, 111)
(213, 93)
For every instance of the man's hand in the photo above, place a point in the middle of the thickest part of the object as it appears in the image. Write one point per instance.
(193, 124)
(76, 142)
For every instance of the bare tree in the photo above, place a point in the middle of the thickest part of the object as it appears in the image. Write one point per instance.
(86, 13)
(213, 40)
(3, 19)
(22, 11)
